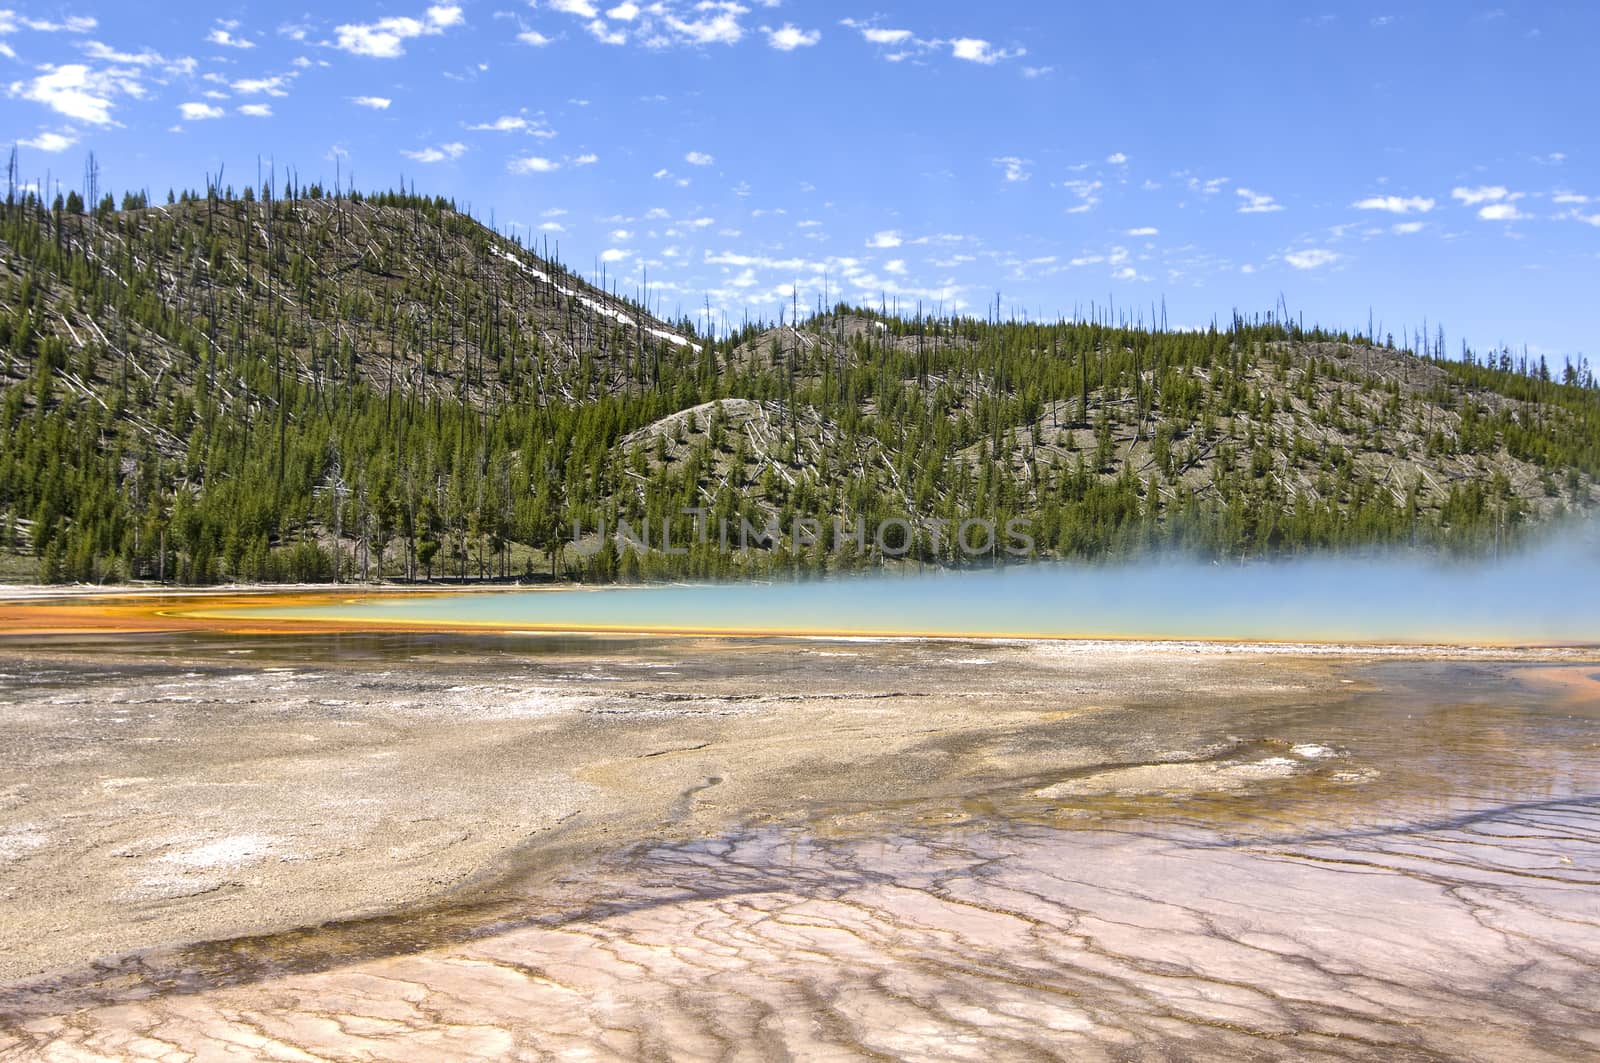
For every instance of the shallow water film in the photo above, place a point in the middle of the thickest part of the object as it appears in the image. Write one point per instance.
(807, 849)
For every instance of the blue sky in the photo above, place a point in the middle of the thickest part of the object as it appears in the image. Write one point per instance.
(1422, 160)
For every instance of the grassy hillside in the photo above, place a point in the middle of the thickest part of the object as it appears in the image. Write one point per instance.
(230, 389)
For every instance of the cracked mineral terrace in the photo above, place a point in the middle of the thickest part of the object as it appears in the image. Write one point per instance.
(410, 845)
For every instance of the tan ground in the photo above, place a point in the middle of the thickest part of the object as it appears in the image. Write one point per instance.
(246, 792)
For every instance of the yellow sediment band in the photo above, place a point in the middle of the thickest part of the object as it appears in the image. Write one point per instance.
(237, 613)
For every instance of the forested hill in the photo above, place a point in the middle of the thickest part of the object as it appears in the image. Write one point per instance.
(308, 388)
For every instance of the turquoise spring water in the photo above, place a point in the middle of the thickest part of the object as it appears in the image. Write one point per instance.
(1550, 597)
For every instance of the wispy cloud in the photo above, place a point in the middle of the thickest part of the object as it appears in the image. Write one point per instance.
(453, 150)
(50, 142)
(899, 43)
(1016, 168)
(222, 35)
(877, 35)
(273, 86)
(1257, 202)
(515, 123)
(1482, 194)
(1396, 204)
(978, 50)
(199, 112)
(1494, 202)
(10, 22)
(1311, 258)
(385, 39)
(1088, 193)
(664, 24)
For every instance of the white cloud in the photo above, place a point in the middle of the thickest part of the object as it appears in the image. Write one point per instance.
(1406, 228)
(10, 22)
(1032, 72)
(376, 103)
(506, 123)
(1312, 258)
(533, 37)
(1088, 193)
(787, 38)
(721, 28)
(605, 34)
(385, 39)
(1569, 197)
(887, 37)
(1256, 202)
(444, 151)
(662, 24)
(1483, 194)
(1016, 169)
(895, 265)
(532, 164)
(105, 53)
(273, 86)
(1498, 203)
(699, 158)
(553, 227)
(886, 239)
(1506, 211)
(220, 36)
(77, 91)
(587, 159)
(256, 110)
(1396, 204)
(1116, 158)
(615, 254)
(196, 112)
(50, 142)
(1147, 230)
(977, 50)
